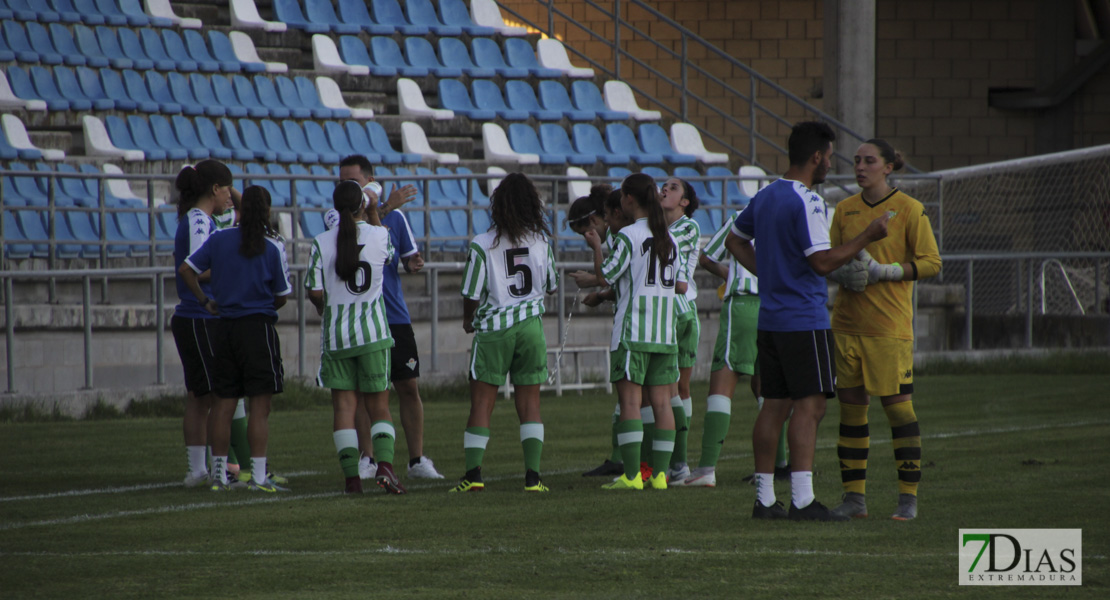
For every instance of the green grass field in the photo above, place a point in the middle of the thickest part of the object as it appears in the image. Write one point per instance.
(94, 508)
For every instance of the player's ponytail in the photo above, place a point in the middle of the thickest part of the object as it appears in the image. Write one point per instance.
(889, 154)
(641, 188)
(691, 196)
(196, 182)
(350, 202)
(254, 223)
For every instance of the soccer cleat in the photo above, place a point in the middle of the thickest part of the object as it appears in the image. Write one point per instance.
(278, 479)
(219, 486)
(424, 469)
(775, 511)
(353, 485)
(367, 468)
(266, 486)
(624, 483)
(196, 479)
(465, 485)
(814, 511)
(539, 487)
(853, 505)
(659, 481)
(701, 477)
(387, 479)
(907, 508)
(607, 469)
(678, 475)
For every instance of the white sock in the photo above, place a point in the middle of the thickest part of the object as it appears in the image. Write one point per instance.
(759, 403)
(258, 469)
(219, 469)
(801, 488)
(647, 415)
(765, 488)
(195, 455)
(688, 406)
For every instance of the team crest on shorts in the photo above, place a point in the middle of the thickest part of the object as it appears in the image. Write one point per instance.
(411, 364)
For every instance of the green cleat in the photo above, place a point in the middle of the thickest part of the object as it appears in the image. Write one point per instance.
(624, 483)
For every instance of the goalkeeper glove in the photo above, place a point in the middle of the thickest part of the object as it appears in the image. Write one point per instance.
(877, 271)
(852, 275)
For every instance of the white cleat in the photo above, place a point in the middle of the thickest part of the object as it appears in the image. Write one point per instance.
(424, 469)
(702, 477)
(367, 469)
(198, 479)
(676, 477)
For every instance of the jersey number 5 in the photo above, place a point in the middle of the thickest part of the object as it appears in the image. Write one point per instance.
(512, 270)
(668, 267)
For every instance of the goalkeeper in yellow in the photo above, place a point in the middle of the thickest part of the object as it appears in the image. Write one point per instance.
(872, 321)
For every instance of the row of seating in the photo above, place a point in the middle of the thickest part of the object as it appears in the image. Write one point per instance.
(418, 18)
(586, 145)
(92, 12)
(482, 58)
(176, 93)
(483, 101)
(122, 48)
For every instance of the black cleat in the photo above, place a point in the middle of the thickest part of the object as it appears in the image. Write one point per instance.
(775, 511)
(607, 469)
(814, 511)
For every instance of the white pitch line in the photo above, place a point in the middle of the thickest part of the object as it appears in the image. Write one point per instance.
(121, 489)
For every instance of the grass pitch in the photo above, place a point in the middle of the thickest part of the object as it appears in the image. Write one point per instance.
(95, 509)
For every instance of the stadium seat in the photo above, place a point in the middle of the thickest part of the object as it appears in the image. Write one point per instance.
(487, 54)
(224, 51)
(24, 11)
(9, 99)
(113, 87)
(283, 92)
(209, 136)
(275, 140)
(455, 54)
(65, 45)
(136, 90)
(410, 102)
(419, 53)
(751, 186)
(496, 148)
(11, 146)
(380, 142)
(40, 40)
(187, 137)
(341, 143)
(618, 96)
(99, 143)
(477, 196)
(156, 50)
(114, 16)
(587, 138)
(223, 88)
(69, 87)
(326, 96)
(413, 141)
(147, 141)
(177, 50)
(486, 14)
(387, 55)
(454, 96)
(312, 223)
(554, 97)
(388, 13)
(318, 142)
(289, 12)
(295, 136)
(244, 15)
(279, 192)
(305, 190)
(197, 49)
(493, 183)
(620, 139)
(166, 137)
(588, 98)
(519, 53)
(16, 39)
(160, 93)
(656, 173)
(520, 96)
(524, 141)
(249, 98)
(488, 95)
(202, 90)
(421, 13)
(321, 12)
(68, 14)
(161, 9)
(686, 139)
(245, 137)
(553, 55)
(433, 189)
(576, 188)
(617, 175)
(15, 242)
(89, 80)
(554, 140)
(243, 48)
(704, 193)
(451, 190)
(654, 139)
(454, 13)
(355, 12)
(182, 94)
(24, 88)
(131, 46)
(326, 58)
(88, 45)
(734, 196)
(47, 90)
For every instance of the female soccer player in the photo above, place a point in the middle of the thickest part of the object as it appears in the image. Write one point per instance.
(643, 269)
(345, 271)
(203, 190)
(250, 282)
(874, 328)
(679, 201)
(508, 269)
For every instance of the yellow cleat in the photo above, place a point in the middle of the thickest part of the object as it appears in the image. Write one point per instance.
(624, 483)
(466, 485)
(539, 487)
(659, 481)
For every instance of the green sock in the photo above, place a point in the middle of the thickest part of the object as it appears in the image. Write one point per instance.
(346, 446)
(661, 449)
(681, 430)
(630, 435)
(474, 446)
(382, 437)
(780, 455)
(240, 447)
(717, 417)
(615, 456)
(647, 417)
(531, 438)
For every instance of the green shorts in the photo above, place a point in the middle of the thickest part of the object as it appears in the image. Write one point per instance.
(644, 368)
(367, 372)
(520, 351)
(688, 332)
(735, 348)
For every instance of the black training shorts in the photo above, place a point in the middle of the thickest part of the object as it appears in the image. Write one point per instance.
(796, 364)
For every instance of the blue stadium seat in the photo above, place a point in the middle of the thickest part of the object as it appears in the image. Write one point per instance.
(156, 50)
(361, 144)
(69, 14)
(310, 96)
(210, 138)
(587, 97)
(620, 140)
(402, 173)
(136, 15)
(487, 54)
(435, 192)
(587, 138)
(33, 226)
(30, 189)
(451, 189)
(176, 50)
(317, 140)
(704, 195)
(282, 187)
(6, 53)
(354, 52)
(114, 16)
(289, 12)
(654, 139)
(554, 96)
(735, 196)
(341, 143)
(71, 191)
(387, 54)
(656, 173)
(296, 138)
(182, 93)
(278, 198)
(198, 50)
(64, 44)
(422, 13)
(355, 12)
(130, 45)
(48, 91)
(255, 107)
(380, 141)
(455, 54)
(274, 140)
(105, 8)
(477, 195)
(89, 46)
(285, 94)
(523, 140)
(321, 12)
(387, 12)
(200, 87)
(137, 91)
(166, 137)
(488, 95)
(112, 84)
(455, 13)
(121, 59)
(187, 136)
(420, 53)
(326, 187)
(223, 52)
(40, 41)
(16, 39)
(520, 96)
(145, 138)
(245, 137)
(160, 92)
(131, 226)
(224, 91)
(15, 242)
(554, 140)
(312, 223)
(307, 193)
(23, 87)
(70, 87)
(617, 175)
(22, 10)
(453, 95)
(520, 54)
(89, 80)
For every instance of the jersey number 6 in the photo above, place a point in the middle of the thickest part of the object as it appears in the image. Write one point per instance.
(361, 281)
(512, 270)
(668, 267)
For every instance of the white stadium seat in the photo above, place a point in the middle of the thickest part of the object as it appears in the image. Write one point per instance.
(97, 142)
(411, 102)
(120, 188)
(553, 55)
(244, 15)
(326, 59)
(685, 139)
(751, 187)
(491, 184)
(496, 146)
(414, 141)
(9, 100)
(618, 97)
(332, 97)
(576, 188)
(18, 139)
(162, 8)
(244, 49)
(486, 14)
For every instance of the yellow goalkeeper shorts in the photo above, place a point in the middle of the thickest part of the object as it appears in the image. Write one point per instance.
(882, 365)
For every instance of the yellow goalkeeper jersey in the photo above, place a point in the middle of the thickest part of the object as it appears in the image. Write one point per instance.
(885, 308)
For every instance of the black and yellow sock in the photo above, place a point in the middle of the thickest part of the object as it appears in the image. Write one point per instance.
(906, 438)
(855, 439)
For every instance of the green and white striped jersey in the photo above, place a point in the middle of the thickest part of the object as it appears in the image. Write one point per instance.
(508, 281)
(687, 232)
(740, 281)
(225, 219)
(354, 320)
(646, 305)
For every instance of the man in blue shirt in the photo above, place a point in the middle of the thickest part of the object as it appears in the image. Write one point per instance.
(404, 359)
(795, 343)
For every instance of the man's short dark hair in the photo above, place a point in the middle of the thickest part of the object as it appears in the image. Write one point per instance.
(360, 161)
(806, 138)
